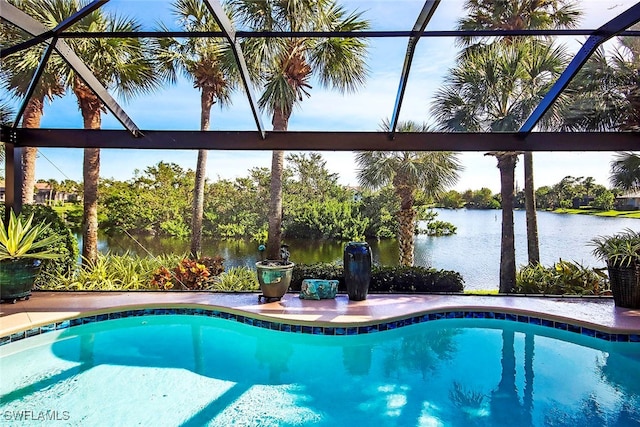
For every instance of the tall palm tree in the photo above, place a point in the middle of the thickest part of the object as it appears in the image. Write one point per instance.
(120, 64)
(18, 70)
(408, 171)
(519, 15)
(516, 15)
(211, 65)
(613, 101)
(625, 171)
(286, 67)
(494, 89)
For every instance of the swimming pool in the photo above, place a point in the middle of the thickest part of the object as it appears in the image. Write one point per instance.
(196, 370)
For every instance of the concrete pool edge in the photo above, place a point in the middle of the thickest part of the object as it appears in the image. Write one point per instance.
(52, 311)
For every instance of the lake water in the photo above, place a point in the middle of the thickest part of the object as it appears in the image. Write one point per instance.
(474, 251)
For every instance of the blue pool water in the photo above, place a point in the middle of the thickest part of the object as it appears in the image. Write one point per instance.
(192, 370)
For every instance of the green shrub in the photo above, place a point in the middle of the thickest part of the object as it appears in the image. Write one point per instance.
(111, 273)
(237, 279)
(189, 274)
(67, 246)
(562, 278)
(384, 278)
(414, 279)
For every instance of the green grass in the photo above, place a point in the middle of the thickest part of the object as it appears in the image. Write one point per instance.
(482, 292)
(62, 209)
(589, 211)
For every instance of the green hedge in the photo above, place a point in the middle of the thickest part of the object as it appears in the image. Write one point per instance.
(384, 279)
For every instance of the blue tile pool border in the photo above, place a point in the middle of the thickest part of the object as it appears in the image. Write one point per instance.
(279, 325)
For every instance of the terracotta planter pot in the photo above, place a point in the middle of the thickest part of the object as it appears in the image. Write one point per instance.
(274, 279)
(17, 277)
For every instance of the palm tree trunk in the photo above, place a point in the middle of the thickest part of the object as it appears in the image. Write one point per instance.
(91, 176)
(533, 248)
(406, 236)
(275, 205)
(206, 102)
(198, 205)
(90, 107)
(32, 115)
(507, 165)
(506, 395)
(274, 239)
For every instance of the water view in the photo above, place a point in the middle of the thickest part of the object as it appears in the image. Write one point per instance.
(474, 251)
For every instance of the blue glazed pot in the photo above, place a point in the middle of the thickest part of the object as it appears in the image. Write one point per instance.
(357, 269)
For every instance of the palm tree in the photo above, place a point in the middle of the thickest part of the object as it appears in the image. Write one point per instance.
(18, 70)
(625, 171)
(121, 64)
(408, 172)
(520, 15)
(211, 66)
(613, 101)
(494, 89)
(516, 15)
(6, 117)
(286, 66)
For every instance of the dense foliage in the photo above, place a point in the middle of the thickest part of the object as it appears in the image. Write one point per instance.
(384, 278)
(130, 272)
(562, 278)
(157, 201)
(195, 275)
(66, 246)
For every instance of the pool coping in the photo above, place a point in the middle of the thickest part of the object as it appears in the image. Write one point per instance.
(49, 311)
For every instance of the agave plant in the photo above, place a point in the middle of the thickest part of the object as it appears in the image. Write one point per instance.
(24, 240)
(620, 250)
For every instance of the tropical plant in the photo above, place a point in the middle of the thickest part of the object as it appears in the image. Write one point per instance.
(23, 239)
(286, 65)
(516, 15)
(408, 172)
(561, 278)
(621, 249)
(603, 96)
(237, 279)
(621, 252)
(495, 89)
(111, 272)
(66, 246)
(625, 171)
(17, 74)
(188, 274)
(210, 64)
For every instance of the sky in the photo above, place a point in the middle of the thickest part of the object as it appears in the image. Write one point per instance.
(177, 107)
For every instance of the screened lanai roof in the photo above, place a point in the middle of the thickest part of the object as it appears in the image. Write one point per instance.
(412, 45)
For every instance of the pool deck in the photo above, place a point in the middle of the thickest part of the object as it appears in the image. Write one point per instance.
(48, 307)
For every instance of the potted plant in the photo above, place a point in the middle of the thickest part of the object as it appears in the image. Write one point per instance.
(22, 249)
(621, 252)
(274, 276)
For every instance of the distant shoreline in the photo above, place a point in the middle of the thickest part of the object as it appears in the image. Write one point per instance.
(595, 212)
